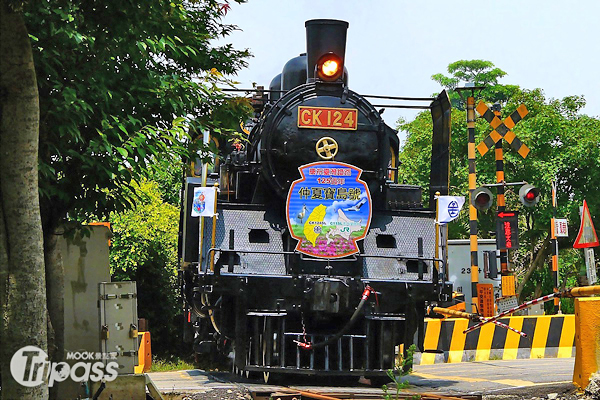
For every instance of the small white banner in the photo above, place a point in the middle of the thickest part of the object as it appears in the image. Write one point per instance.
(561, 227)
(204, 202)
(449, 208)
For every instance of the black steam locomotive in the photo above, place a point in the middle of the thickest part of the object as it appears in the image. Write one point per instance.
(317, 261)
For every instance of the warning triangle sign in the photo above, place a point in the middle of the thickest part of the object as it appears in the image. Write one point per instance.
(587, 234)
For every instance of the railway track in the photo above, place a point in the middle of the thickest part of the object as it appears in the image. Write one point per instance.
(290, 393)
(529, 377)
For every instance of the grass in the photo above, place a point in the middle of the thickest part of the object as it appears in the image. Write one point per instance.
(396, 375)
(171, 364)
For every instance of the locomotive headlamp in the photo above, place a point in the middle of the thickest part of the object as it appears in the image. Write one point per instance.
(329, 67)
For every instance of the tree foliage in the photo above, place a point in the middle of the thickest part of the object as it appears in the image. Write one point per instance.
(565, 145)
(112, 78)
(479, 73)
(120, 85)
(144, 249)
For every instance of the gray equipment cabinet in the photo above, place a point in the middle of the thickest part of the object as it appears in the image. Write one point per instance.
(118, 324)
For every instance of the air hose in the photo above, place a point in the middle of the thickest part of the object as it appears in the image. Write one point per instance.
(211, 313)
(365, 296)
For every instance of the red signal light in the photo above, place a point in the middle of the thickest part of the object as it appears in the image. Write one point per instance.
(529, 195)
(482, 198)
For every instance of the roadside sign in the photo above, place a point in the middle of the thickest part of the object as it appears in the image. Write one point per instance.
(507, 230)
(587, 234)
(485, 296)
(561, 227)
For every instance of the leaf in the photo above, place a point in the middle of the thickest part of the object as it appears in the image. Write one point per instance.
(122, 151)
(122, 128)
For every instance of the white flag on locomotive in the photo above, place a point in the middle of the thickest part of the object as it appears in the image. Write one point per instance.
(449, 208)
(204, 202)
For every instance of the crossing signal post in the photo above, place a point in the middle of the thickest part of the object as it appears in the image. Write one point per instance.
(502, 129)
(470, 101)
(554, 249)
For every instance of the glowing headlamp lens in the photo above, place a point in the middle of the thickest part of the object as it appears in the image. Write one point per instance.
(330, 67)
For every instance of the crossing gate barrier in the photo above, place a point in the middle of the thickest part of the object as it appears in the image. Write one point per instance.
(548, 336)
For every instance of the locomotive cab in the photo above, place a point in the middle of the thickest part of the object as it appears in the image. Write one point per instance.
(317, 260)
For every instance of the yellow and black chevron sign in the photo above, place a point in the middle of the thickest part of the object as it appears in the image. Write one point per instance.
(502, 129)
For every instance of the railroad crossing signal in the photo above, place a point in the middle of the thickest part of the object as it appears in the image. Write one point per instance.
(482, 198)
(529, 195)
(502, 129)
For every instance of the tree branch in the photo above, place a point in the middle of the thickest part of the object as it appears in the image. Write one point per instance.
(538, 262)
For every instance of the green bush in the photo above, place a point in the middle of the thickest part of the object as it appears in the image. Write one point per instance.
(144, 249)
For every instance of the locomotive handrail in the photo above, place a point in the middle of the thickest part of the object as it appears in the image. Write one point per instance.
(220, 250)
(372, 96)
(402, 106)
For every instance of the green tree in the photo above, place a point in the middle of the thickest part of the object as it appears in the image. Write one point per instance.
(564, 145)
(480, 73)
(112, 78)
(119, 85)
(144, 249)
(22, 278)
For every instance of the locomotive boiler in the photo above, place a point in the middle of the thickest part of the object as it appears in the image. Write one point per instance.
(317, 260)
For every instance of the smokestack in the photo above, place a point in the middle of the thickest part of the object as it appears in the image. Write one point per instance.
(324, 36)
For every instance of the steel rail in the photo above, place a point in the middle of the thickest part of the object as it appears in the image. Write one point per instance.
(405, 394)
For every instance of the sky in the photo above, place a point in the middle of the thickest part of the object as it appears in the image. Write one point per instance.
(394, 47)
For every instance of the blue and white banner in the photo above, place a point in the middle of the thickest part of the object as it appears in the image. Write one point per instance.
(203, 204)
(449, 208)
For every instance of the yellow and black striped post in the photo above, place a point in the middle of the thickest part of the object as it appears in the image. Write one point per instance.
(554, 249)
(472, 209)
(500, 192)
